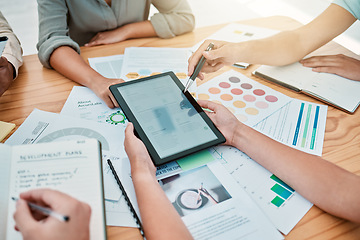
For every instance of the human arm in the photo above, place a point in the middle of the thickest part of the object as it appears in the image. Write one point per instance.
(12, 51)
(77, 70)
(6, 75)
(340, 64)
(174, 18)
(128, 31)
(281, 49)
(159, 218)
(33, 225)
(328, 186)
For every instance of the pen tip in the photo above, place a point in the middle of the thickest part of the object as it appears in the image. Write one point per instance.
(66, 218)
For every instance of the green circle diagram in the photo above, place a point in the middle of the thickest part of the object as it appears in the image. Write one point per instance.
(116, 118)
(83, 132)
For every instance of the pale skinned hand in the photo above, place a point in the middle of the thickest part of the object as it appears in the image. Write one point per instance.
(221, 55)
(223, 119)
(6, 75)
(139, 157)
(36, 226)
(108, 37)
(101, 89)
(340, 64)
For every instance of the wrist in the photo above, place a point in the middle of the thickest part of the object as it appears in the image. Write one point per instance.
(143, 168)
(240, 137)
(125, 32)
(142, 175)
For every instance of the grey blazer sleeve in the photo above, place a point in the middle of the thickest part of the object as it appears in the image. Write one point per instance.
(53, 29)
(174, 18)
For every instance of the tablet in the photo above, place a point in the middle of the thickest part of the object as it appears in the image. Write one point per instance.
(170, 122)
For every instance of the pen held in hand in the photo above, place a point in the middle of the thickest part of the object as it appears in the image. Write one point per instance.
(197, 68)
(46, 211)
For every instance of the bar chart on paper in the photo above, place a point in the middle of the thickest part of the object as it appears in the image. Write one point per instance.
(282, 190)
(283, 206)
(298, 124)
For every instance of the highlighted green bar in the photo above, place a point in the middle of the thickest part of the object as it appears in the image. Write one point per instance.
(313, 137)
(278, 180)
(306, 126)
(281, 191)
(195, 160)
(277, 201)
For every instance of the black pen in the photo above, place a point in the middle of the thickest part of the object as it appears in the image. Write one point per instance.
(46, 211)
(197, 68)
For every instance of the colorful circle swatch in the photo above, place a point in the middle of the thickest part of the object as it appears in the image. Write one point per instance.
(271, 98)
(259, 92)
(252, 111)
(236, 91)
(249, 98)
(226, 97)
(203, 96)
(246, 86)
(262, 105)
(239, 104)
(214, 90)
(224, 85)
(244, 97)
(234, 79)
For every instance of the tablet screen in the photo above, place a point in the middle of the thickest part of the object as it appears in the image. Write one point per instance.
(167, 117)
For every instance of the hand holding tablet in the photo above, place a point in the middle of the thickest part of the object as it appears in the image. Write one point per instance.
(170, 122)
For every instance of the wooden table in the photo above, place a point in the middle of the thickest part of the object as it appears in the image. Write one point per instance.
(37, 87)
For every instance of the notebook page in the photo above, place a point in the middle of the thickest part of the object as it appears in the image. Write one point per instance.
(5, 153)
(72, 167)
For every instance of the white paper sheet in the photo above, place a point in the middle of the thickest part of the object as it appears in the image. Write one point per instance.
(284, 210)
(145, 61)
(299, 124)
(43, 126)
(83, 103)
(234, 216)
(109, 67)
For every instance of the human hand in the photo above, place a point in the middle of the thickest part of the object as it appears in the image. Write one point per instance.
(222, 54)
(101, 88)
(36, 226)
(139, 157)
(6, 75)
(108, 37)
(223, 119)
(340, 64)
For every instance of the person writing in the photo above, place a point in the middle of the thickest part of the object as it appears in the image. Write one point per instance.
(11, 58)
(290, 46)
(64, 25)
(318, 180)
(165, 224)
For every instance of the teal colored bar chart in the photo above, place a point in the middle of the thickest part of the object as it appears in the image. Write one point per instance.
(282, 190)
(277, 201)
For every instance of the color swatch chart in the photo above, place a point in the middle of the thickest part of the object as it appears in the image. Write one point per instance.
(247, 99)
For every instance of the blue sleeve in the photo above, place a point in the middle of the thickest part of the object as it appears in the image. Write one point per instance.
(352, 6)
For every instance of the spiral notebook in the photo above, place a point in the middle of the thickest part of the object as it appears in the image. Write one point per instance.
(132, 210)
